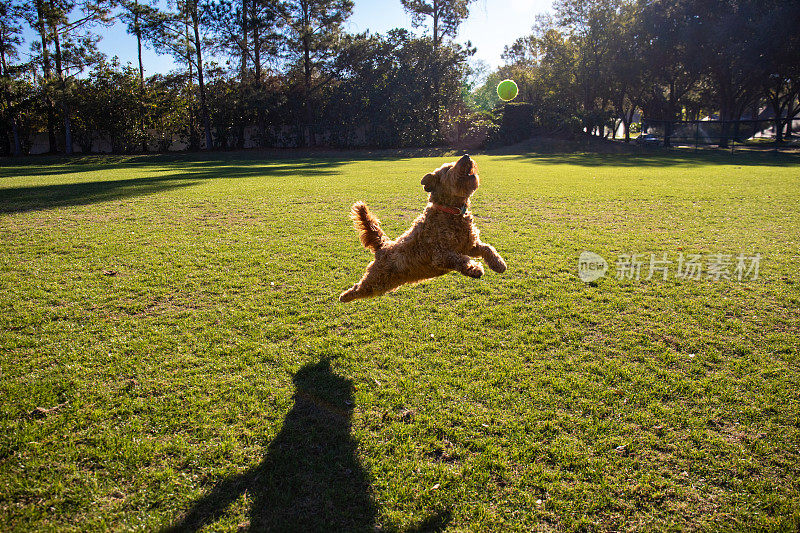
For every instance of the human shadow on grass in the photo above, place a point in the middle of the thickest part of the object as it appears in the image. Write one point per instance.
(310, 478)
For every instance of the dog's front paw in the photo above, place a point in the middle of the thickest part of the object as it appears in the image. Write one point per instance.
(473, 270)
(349, 295)
(497, 264)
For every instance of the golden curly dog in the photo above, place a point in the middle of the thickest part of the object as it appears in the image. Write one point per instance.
(442, 238)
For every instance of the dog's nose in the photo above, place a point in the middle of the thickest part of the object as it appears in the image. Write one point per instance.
(465, 166)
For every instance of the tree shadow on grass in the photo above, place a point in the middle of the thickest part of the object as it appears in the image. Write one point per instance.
(24, 199)
(55, 165)
(310, 478)
(663, 158)
(171, 171)
(181, 174)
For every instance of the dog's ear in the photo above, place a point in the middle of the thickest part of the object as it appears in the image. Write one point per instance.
(430, 181)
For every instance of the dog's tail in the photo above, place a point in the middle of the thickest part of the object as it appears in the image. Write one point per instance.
(368, 227)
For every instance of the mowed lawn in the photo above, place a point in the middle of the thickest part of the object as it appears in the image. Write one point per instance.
(174, 355)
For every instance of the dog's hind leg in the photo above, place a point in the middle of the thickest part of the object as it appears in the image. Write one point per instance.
(376, 281)
(490, 255)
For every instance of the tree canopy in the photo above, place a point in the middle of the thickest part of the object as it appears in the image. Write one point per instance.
(287, 73)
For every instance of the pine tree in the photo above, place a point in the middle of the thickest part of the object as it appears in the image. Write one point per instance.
(446, 16)
(313, 38)
(137, 16)
(10, 38)
(64, 24)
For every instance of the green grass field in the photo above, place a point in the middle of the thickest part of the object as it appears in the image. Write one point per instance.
(176, 321)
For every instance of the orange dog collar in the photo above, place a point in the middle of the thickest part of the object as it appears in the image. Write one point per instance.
(451, 210)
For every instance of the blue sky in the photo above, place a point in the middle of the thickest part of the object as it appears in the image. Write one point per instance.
(492, 24)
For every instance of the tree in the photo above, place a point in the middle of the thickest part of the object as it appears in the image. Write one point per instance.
(230, 24)
(246, 32)
(108, 103)
(594, 27)
(313, 30)
(11, 15)
(626, 72)
(178, 33)
(545, 66)
(194, 13)
(446, 16)
(376, 96)
(730, 44)
(137, 16)
(74, 47)
(168, 33)
(781, 86)
(41, 51)
(262, 26)
(171, 101)
(666, 34)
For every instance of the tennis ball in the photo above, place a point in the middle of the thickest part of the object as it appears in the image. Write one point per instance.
(507, 90)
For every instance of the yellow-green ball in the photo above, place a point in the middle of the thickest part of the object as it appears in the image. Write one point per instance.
(507, 90)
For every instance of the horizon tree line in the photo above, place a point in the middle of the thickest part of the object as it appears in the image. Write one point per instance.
(285, 72)
(598, 62)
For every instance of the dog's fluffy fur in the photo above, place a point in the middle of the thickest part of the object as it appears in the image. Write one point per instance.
(435, 244)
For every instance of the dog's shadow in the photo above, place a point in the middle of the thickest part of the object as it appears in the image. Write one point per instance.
(310, 478)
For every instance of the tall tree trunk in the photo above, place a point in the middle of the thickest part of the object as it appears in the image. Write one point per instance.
(727, 103)
(725, 114)
(242, 76)
(792, 111)
(5, 144)
(725, 129)
(256, 41)
(243, 46)
(436, 98)
(200, 83)
(51, 115)
(17, 150)
(254, 22)
(138, 31)
(671, 114)
(194, 142)
(307, 112)
(63, 82)
(778, 121)
(628, 120)
(15, 135)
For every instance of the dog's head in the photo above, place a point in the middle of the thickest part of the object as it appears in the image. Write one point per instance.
(454, 180)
